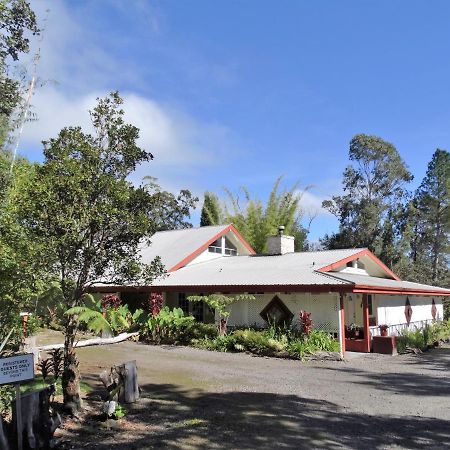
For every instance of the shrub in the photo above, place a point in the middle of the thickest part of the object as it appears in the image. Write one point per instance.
(200, 330)
(424, 338)
(220, 343)
(168, 326)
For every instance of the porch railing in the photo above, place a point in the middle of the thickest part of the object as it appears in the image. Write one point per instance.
(396, 329)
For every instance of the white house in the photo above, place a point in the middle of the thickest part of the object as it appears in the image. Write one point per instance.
(343, 289)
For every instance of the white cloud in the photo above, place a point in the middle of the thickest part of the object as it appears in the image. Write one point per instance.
(311, 204)
(75, 55)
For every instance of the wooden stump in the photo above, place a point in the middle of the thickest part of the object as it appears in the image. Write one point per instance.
(130, 391)
(122, 382)
(37, 422)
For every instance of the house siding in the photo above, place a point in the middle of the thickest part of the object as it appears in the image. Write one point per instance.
(391, 308)
(324, 309)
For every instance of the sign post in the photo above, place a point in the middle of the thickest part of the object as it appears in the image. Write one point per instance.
(14, 370)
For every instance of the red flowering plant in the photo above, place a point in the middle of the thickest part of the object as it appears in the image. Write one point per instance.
(155, 303)
(110, 301)
(306, 324)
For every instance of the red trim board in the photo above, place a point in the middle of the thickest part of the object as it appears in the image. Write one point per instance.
(203, 247)
(365, 252)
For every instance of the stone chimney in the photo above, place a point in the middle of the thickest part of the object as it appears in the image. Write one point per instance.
(280, 244)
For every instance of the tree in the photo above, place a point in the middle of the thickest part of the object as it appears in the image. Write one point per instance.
(22, 273)
(170, 212)
(222, 305)
(211, 211)
(257, 221)
(430, 222)
(17, 21)
(370, 211)
(89, 216)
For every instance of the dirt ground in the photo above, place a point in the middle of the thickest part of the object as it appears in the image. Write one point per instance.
(195, 399)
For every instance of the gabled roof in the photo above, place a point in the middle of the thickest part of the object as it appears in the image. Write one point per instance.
(256, 270)
(294, 272)
(177, 248)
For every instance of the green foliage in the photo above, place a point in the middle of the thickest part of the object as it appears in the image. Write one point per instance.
(222, 305)
(17, 23)
(421, 339)
(272, 341)
(22, 271)
(211, 211)
(120, 411)
(374, 199)
(169, 212)
(224, 343)
(257, 221)
(200, 330)
(168, 326)
(108, 321)
(429, 222)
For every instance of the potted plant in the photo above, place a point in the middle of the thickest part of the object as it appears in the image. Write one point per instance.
(383, 329)
(354, 331)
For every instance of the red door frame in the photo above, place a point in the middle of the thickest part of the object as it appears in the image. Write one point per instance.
(366, 323)
(342, 320)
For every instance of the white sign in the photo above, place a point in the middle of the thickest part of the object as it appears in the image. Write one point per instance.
(16, 369)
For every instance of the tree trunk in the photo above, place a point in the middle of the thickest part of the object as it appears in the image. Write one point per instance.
(37, 422)
(70, 379)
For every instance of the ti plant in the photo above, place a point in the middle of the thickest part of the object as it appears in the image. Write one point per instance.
(222, 305)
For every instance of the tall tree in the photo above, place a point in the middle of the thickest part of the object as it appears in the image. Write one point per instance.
(256, 220)
(170, 211)
(17, 22)
(211, 210)
(22, 272)
(430, 221)
(89, 217)
(373, 204)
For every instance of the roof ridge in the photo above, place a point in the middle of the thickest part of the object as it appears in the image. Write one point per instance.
(192, 228)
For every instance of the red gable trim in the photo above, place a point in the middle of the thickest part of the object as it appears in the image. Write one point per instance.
(195, 253)
(365, 252)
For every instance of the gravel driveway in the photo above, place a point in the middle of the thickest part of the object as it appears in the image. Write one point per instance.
(196, 399)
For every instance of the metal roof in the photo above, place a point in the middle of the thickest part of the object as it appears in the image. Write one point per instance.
(260, 270)
(175, 245)
(365, 280)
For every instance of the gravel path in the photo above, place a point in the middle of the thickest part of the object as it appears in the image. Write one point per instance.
(196, 399)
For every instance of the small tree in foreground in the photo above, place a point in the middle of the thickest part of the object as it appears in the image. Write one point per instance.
(89, 217)
(221, 303)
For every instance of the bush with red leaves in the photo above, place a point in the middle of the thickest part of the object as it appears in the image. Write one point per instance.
(306, 323)
(155, 302)
(111, 301)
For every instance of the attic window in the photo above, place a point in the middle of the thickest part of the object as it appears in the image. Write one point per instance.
(223, 246)
(276, 312)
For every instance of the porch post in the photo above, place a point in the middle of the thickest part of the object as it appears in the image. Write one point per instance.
(341, 324)
(366, 324)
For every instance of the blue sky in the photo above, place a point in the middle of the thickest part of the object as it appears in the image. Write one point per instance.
(231, 93)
